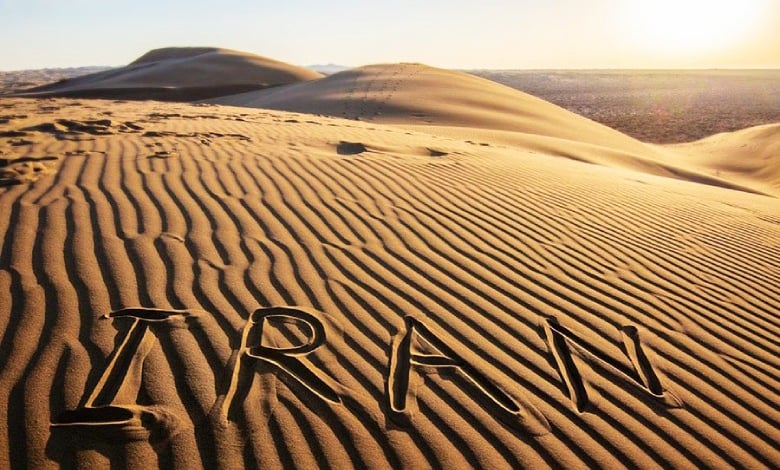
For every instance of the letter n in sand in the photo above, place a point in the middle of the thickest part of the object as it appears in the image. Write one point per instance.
(561, 341)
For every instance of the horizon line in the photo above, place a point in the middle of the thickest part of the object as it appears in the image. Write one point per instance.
(519, 69)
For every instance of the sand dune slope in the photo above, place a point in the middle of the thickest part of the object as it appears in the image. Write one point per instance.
(182, 74)
(197, 286)
(419, 94)
(750, 156)
(460, 105)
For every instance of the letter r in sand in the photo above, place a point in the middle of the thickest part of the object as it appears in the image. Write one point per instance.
(289, 359)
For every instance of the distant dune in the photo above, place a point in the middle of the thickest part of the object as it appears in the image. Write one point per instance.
(460, 105)
(419, 94)
(181, 74)
(750, 156)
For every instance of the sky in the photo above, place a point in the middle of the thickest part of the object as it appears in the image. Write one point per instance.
(489, 34)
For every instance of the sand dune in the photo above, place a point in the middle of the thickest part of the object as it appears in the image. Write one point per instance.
(206, 286)
(419, 94)
(466, 107)
(750, 156)
(414, 96)
(181, 74)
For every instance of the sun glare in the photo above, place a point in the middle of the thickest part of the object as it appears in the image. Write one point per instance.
(687, 26)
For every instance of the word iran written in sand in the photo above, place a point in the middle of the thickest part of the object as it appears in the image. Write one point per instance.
(415, 350)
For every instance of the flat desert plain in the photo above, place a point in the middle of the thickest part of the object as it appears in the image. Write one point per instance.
(661, 106)
(394, 266)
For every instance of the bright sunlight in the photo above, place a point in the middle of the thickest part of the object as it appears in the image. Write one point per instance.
(692, 26)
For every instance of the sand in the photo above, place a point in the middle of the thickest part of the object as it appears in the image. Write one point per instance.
(460, 105)
(212, 286)
(180, 74)
(750, 156)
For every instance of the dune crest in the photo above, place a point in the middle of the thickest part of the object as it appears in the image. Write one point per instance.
(749, 156)
(176, 53)
(420, 94)
(466, 107)
(181, 74)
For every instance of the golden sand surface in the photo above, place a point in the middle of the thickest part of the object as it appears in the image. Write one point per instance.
(490, 282)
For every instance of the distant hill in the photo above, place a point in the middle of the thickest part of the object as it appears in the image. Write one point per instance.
(328, 69)
(463, 106)
(18, 80)
(181, 74)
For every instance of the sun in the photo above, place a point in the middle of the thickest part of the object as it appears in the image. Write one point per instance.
(686, 26)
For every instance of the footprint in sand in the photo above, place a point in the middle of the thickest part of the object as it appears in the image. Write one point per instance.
(66, 129)
(24, 170)
(350, 148)
(162, 154)
(130, 127)
(159, 116)
(436, 153)
(6, 118)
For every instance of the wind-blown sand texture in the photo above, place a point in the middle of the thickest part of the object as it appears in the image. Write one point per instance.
(180, 74)
(750, 155)
(459, 105)
(206, 286)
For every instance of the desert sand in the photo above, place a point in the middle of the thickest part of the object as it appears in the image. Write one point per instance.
(460, 105)
(375, 270)
(181, 74)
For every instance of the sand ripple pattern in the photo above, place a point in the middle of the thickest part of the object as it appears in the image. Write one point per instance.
(480, 244)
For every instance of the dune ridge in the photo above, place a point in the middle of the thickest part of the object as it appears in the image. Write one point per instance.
(750, 156)
(414, 96)
(420, 94)
(460, 105)
(223, 216)
(180, 74)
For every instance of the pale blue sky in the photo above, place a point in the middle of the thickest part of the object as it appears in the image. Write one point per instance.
(452, 33)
